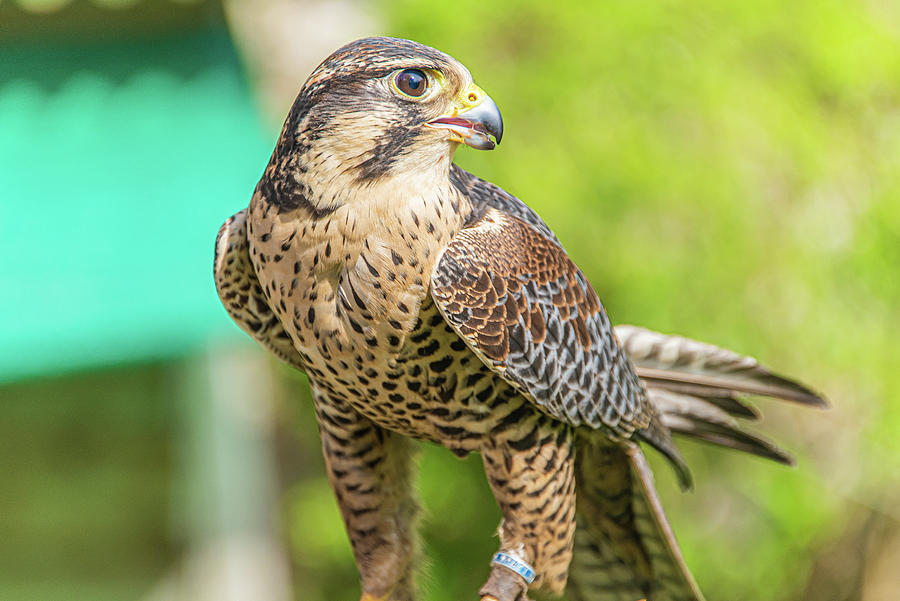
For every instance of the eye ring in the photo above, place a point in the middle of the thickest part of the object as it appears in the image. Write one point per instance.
(411, 82)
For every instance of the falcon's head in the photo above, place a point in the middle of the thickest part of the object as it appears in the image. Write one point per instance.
(381, 108)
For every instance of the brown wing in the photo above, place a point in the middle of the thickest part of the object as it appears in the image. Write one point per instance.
(241, 294)
(526, 310)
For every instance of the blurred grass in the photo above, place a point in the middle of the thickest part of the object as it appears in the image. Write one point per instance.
(87, 477)
(727, 171)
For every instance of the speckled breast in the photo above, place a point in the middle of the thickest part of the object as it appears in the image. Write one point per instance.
(359, 312)
(435, 388)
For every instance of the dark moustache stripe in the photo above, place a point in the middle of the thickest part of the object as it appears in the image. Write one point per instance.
(286, 195)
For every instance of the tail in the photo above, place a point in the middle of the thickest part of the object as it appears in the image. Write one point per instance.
(698, 389)
(624, 547)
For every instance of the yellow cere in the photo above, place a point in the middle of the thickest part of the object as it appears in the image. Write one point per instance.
(469, 98)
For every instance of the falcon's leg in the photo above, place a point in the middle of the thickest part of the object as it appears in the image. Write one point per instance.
(531, 471)
(372, 471)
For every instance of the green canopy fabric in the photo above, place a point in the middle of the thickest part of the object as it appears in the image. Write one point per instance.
(118, 162)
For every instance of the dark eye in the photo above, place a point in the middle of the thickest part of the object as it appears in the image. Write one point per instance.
(412, 82)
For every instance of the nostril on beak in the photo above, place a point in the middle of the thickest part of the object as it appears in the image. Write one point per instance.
(473, 97)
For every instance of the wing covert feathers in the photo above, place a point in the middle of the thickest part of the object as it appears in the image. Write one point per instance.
(526, 310)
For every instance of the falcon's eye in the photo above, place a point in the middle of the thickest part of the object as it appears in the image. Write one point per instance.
(411, 82)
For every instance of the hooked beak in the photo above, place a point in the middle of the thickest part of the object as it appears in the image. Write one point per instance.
(474, 121)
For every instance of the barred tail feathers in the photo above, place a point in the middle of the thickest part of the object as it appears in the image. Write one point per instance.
(698, 389)
(624, 547)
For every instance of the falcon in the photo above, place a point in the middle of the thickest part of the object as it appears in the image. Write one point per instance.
(427, 304)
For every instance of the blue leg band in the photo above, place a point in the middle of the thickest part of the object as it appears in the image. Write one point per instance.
(516, 565)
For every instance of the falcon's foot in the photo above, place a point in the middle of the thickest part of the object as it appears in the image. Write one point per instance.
(504, 585)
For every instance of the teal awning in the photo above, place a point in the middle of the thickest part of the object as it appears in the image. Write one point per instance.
(118, 162)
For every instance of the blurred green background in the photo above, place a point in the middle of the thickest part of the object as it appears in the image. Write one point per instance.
(729, 171)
